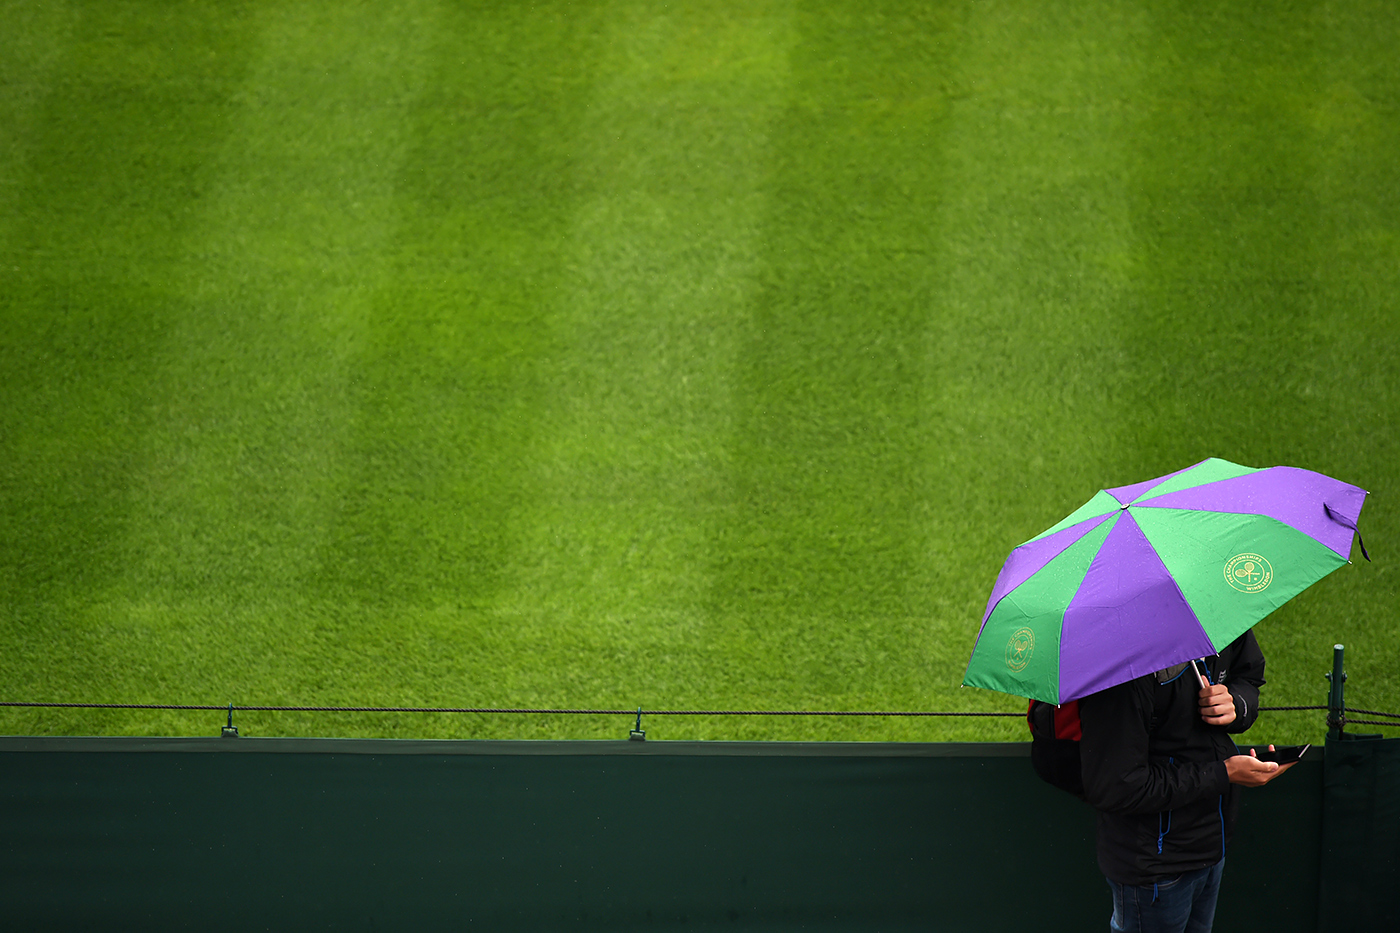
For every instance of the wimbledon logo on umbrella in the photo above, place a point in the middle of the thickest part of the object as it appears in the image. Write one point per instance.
(1019, 648)
(1248, 573)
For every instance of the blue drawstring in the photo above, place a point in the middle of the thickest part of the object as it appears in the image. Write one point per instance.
(1177, 677)
(1161, 835)
(1220, 808)
(1209, 675)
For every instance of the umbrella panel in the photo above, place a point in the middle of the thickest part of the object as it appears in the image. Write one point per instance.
(1211, 470)
(1294, 497)
(1234, 569)
(1128, 617)
(1030, 558)
(1101, 504)
(1019, 647)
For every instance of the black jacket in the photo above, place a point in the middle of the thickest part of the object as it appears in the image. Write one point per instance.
(1155, 770)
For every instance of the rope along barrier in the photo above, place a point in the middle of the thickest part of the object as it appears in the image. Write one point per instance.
(479, 709)
(591, 712)
(1371, 712)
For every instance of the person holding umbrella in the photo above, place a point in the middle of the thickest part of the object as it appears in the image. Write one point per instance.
(1163, 773)
(1139, 606)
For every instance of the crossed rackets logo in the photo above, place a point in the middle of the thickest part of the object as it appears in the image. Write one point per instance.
(1248, 573)
(1019, 648)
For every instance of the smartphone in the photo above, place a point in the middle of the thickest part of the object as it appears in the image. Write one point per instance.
(1285, 754)
(1198, 667)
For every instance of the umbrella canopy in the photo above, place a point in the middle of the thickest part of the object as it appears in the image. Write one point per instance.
(1146, 576)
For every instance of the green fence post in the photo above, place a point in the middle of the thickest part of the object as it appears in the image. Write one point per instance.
(1336, 708)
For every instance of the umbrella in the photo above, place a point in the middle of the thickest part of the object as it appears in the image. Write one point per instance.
(1145, 576)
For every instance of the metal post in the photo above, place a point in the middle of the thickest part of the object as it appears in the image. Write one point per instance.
(1336, 708)
(229, 731)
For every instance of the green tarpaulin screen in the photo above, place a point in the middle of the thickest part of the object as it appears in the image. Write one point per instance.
(371, 835)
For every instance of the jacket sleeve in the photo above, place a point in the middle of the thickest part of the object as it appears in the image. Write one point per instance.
(1119, 777)
(1244, 675)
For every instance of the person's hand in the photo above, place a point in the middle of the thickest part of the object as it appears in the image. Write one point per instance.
(1251, 772)
(1217, 705)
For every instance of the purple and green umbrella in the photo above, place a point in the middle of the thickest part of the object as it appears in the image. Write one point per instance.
(1146, 576)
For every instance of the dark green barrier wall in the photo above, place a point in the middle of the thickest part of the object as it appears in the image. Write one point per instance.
(1361, 835)
(373, 835)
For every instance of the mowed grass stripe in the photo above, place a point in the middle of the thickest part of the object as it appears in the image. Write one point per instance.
(246, 465)
(819, 579)
(124, 118)
(1227, 265)
(457, 370)
(88, 319)
(262, 424)
(628, 474)
(1025, 366)
(234, 485)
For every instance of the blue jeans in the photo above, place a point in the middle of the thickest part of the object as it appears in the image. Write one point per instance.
(1185, 904)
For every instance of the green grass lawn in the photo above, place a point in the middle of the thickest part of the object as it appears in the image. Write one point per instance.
(694, 355)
